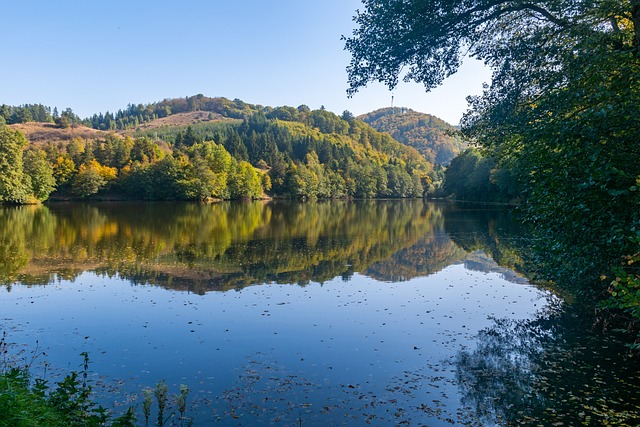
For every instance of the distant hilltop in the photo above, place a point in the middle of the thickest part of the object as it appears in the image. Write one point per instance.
(433, 137)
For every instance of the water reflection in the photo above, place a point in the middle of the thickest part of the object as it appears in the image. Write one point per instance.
(550, 370)
(231, 245)
(463, 339)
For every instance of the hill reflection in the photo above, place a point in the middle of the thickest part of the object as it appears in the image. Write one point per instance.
(201, 248)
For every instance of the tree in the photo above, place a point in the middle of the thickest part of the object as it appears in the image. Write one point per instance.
(63, 169)
(62, 122)
(91, 178)
(40, 171)
(145, 150)
(434, 36)
(69, 117)
(190, 137)
(13, 182)
(561, 110)
(244, 181)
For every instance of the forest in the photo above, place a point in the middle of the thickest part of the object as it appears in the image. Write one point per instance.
(242, 151)
(435, 139)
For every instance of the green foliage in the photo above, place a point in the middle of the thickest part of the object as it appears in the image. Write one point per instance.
(91, 178)
(40, 173)
(63, 169)
(308, 154)
(67, 119)
(472, 176)
(144, 150)
(181, 402)
(434, 138)
(298, 153)
(88, 182)
(162, 395)
(625, 289)
(135, 115)
(14, 187)
(26, 401)
(25, 113)
(559, 115)
(244, 181)
(327, 122)
(146, 405)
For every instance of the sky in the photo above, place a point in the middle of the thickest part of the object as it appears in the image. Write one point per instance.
(95, 57)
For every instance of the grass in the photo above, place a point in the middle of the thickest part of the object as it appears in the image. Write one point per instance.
(30, 401)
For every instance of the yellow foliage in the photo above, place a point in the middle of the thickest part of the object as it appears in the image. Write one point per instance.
(105, 172)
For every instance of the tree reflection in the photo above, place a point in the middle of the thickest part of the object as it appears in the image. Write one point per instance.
(552, 370)
(223, 246)
(24, 230)
(474, 227)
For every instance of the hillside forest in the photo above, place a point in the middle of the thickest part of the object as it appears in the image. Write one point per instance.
(434, 138)
(200, 148)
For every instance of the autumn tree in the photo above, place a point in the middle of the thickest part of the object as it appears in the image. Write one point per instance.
(91, 178)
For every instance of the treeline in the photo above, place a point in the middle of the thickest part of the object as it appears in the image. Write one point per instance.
(135, 115)
(316, 155)
(26, 113)
(38, 113)
(282, 151)
(475, 177)
(131, 117)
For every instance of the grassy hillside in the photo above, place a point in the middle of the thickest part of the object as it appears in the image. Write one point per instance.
(428, 134)
(43, 134)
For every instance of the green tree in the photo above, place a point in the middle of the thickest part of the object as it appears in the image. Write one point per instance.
(14, 187)
(21, 115)
(40, 172)
(244, 182)
(190, 137)
(145, 150)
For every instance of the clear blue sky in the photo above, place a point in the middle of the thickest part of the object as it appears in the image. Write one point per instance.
(96, 56)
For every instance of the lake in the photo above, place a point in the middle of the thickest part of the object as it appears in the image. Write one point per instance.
(355, 313)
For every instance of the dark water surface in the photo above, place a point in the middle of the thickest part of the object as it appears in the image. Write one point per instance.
(308, 314)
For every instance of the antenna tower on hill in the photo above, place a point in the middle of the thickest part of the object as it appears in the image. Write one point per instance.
(393, 110)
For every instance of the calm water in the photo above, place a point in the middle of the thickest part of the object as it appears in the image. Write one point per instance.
(313, 314)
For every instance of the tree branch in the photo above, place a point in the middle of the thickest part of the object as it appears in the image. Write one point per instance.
(508, 8)
(559, 22)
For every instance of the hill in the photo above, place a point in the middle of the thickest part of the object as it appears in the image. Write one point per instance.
(428, 134)
(198, 148)
(182, 119)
